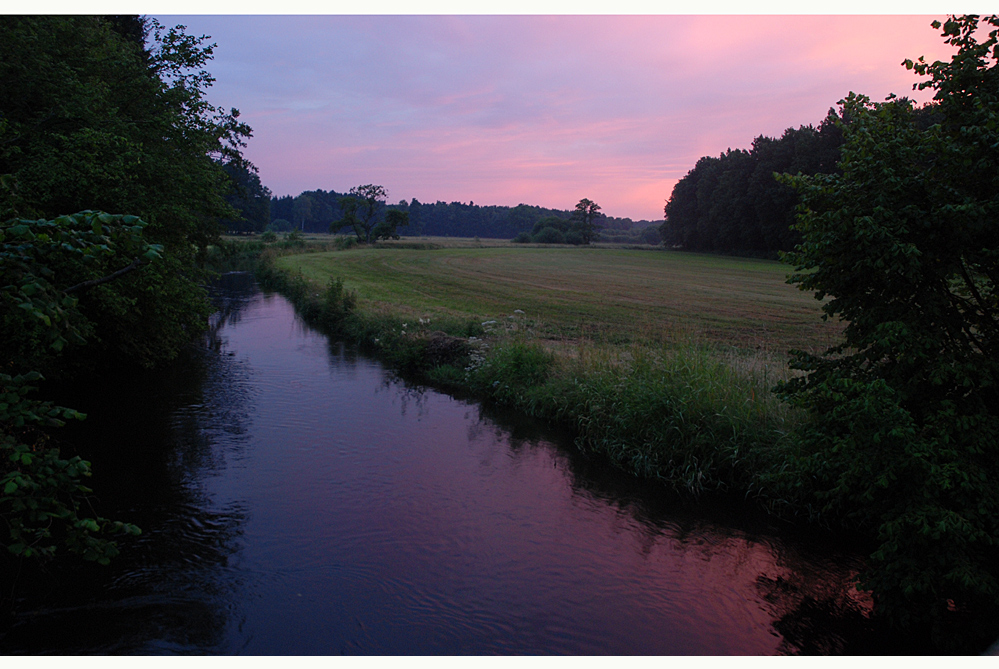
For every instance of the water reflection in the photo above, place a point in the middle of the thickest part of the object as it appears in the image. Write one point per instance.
(297, 499)
(806, 588)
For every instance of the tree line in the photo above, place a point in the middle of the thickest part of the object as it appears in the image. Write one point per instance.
(314, 211)
(735, 204)
(732, 204)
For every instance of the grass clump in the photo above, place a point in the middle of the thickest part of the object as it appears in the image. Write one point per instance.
(682, 416)
(328, 308)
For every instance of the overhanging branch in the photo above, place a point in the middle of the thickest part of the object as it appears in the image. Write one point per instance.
(136, 264)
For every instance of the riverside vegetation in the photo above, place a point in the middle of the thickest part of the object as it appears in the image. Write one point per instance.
(669, 380)
(97, 114)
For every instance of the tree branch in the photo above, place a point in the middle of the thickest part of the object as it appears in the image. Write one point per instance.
(136, 264)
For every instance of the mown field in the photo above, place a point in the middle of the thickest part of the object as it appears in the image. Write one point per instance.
(577, 294)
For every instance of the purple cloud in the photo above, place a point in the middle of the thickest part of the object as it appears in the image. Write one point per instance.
(538, 109)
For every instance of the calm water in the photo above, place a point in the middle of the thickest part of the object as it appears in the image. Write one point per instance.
(299, 499)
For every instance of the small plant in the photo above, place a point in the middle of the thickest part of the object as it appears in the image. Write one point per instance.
(337, 302)
(344, 243)
(269, 236)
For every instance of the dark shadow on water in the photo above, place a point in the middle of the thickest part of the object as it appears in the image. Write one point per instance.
(149, 449)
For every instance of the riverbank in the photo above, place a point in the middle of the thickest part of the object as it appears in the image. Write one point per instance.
(696, 415)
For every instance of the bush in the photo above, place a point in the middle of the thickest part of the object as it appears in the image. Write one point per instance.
(549, 236)
(650, 235)
(511, 371)
(337, 303)
(343, 243)
(279, 225)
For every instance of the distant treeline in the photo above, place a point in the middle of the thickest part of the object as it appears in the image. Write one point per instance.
(315, 210)
(732, 204)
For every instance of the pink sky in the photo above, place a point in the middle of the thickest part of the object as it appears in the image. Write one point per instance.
(543, 110)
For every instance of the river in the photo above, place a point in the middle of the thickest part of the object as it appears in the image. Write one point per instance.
(298, 498)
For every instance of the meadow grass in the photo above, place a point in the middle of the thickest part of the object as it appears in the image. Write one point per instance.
(664, 362)
(603, 295)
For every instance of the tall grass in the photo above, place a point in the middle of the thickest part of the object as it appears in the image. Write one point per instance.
(682, 415)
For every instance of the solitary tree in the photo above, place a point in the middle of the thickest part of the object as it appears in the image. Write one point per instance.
(584, 219)
(361, 208)
(389, 228)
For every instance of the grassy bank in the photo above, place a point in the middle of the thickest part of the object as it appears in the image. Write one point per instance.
(661, 361)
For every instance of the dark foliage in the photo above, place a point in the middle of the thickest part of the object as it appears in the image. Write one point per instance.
(91, 119)
(248, 197)
(94, 118)
(732, 204)
(904, 441)
(314, 211)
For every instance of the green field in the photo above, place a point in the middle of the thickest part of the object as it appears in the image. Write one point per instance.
(574, 294)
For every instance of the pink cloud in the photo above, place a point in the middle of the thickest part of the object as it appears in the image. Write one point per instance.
(543, 110)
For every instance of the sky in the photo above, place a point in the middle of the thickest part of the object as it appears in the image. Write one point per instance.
(542, 110)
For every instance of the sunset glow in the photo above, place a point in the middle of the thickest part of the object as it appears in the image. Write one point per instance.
(538, 109)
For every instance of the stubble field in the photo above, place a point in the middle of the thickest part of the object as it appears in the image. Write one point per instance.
(573, 295)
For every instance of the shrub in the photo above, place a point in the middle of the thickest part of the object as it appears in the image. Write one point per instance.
(343, 243)
(549, 236)
(337, 303)
(279, 225)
